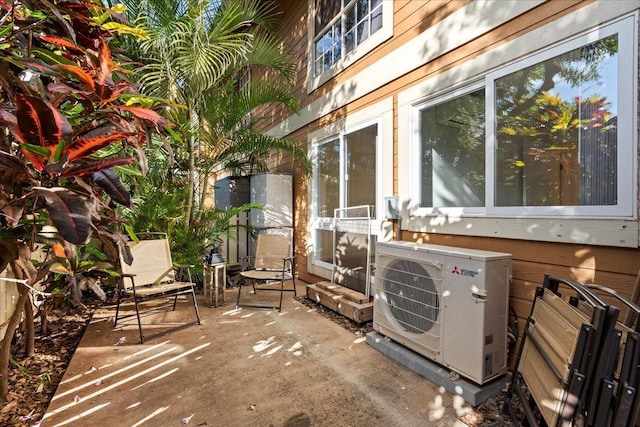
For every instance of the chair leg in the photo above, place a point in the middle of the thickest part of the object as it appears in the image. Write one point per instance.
(135, 300)
(240, 283)
(115, 322)
(195, 304)
(175, 301)
(281, 294)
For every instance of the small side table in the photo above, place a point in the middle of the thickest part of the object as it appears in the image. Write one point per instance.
(214, 281)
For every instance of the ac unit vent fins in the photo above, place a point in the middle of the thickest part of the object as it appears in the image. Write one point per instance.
(411, 295)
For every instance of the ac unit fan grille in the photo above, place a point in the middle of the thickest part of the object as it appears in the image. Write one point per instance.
(411, 295)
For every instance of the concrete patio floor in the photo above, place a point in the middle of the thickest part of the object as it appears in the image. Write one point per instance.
(243, 367)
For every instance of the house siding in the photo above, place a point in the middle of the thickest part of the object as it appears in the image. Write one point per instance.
(612, 266)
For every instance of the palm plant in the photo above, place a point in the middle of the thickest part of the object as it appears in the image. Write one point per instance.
(194, 51)
(195, 56)
(228, 133)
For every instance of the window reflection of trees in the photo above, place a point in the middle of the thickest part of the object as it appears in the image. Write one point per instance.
(361, 166)
(556, 130)
(328, 167)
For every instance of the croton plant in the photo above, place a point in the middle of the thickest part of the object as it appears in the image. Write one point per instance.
(69, 114)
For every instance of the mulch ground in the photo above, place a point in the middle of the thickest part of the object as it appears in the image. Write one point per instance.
(33, 380)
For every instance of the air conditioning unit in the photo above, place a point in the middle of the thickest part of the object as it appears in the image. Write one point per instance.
(448, 304)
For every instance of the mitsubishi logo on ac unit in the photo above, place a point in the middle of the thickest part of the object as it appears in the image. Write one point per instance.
(464, 272)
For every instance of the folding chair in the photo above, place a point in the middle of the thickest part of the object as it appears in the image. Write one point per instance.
(616, 401)
(151, 276)
(558, 355)
(273, 263)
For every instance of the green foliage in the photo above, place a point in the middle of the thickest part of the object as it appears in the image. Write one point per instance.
(64, 104)
(159, 198)
(189, 245)
(196, 55)
(69, 115)
(193, 57)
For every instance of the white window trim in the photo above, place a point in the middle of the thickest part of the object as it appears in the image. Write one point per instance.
(375, 39)
(382, 114)
(416, 155)
(519, 223)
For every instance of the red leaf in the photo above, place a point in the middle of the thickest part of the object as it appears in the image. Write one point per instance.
(104, 80)
(89, 167)
(58, 250)
(82, 75)
(82, 147)
(63, 88)
(10, 161)
(32, 64)
(106, 65)
(104, 92)
(40, 123)
(35, 160)
(110, 182)
(12, 123)
(60, 42)
(69, 212)
(145, 114)
(142, 160)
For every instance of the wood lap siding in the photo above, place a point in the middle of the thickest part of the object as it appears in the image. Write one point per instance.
(293, 32)
(608, 266)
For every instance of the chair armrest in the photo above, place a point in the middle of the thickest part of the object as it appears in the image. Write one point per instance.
(246, 263)
(184, 268)
(124, 276)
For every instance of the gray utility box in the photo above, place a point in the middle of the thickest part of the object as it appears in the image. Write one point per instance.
(275, 192)
(232, 192)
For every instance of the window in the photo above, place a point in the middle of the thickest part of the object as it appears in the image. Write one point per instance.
(345, 177)
(549, 135)
(353, 167)
(452, 152)
(340, 27)
(556, 130)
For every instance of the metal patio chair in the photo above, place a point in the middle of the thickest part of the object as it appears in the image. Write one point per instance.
(152, 276)
(273, 263)
(556, 365)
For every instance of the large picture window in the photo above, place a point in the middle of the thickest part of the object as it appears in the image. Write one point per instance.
(548, 135)
(556, 130)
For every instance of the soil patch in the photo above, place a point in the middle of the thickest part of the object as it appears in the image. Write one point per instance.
(33, 380)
